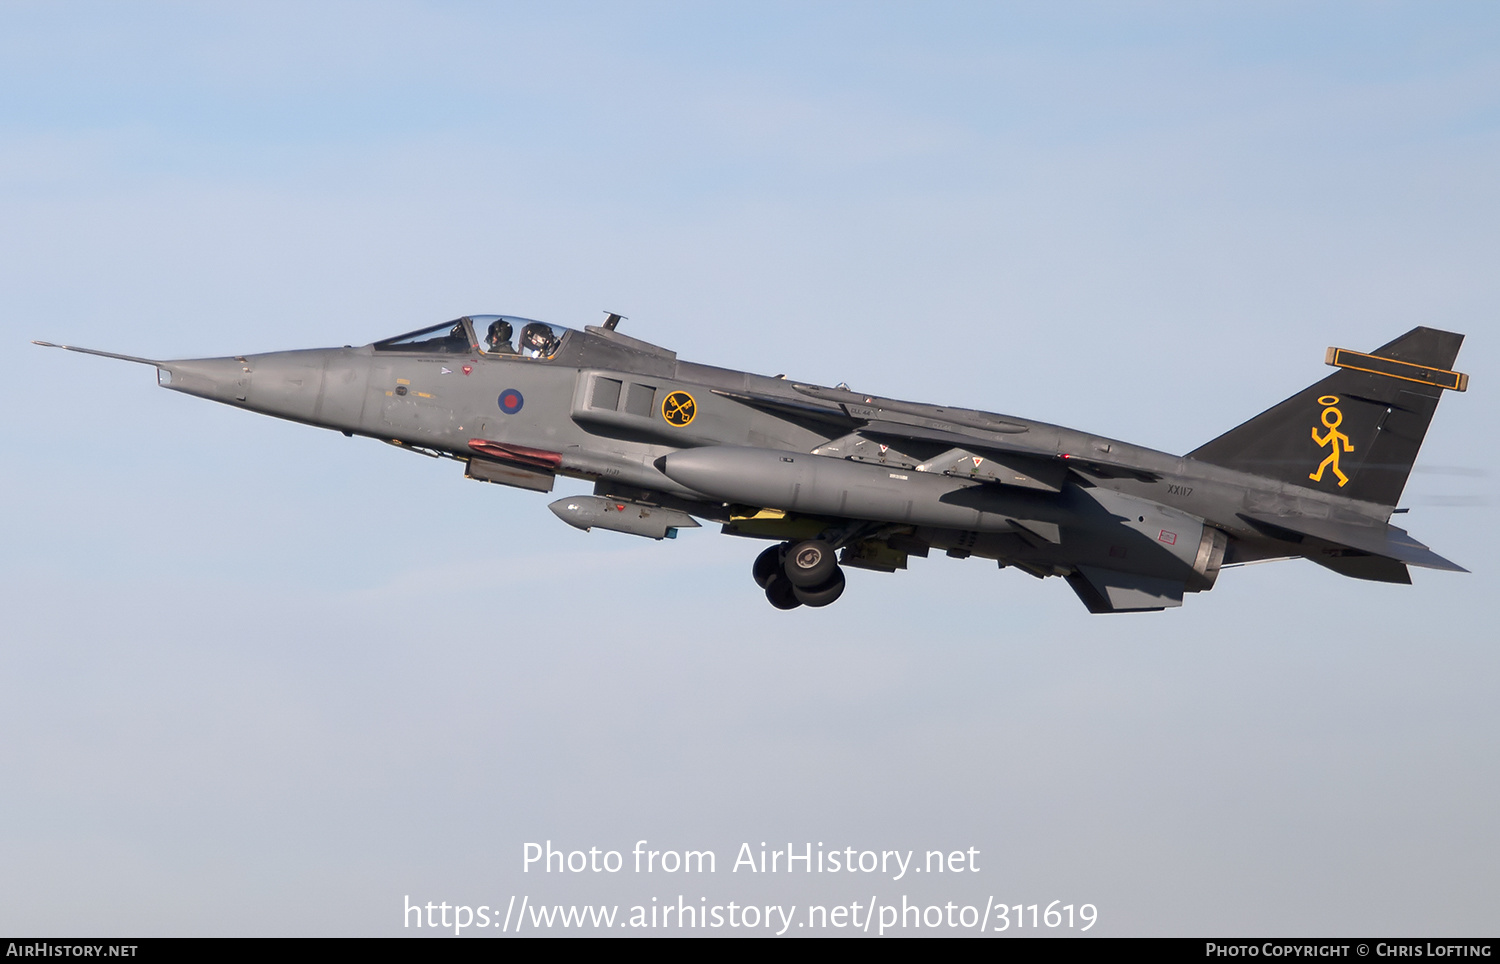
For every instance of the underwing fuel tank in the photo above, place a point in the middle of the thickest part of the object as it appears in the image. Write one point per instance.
(819, 485)
(590, 511)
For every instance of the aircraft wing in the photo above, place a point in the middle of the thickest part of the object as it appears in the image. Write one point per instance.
(882, 428)
(1008, 464)
(778, 405)
(866, 407)
(1387, 541)
(981, 432)
(1016, 460)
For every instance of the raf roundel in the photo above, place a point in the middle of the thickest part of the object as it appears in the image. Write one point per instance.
(511, 401)
(678, 409)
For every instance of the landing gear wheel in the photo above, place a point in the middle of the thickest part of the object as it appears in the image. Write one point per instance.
(768, 565)
(782, 594)
(824, 594)
(810, 564)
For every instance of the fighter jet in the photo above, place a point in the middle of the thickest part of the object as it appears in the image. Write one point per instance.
(837, 479)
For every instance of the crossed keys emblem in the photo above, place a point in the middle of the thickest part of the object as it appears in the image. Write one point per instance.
(678, 409)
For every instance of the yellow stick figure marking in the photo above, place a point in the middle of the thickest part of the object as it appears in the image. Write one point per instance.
(1332, 418)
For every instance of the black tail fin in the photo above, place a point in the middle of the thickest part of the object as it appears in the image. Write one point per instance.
(1355, 433)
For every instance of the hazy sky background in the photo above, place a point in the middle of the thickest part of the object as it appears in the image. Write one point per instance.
(263, 679)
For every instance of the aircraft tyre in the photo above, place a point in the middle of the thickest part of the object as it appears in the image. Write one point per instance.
(810, 564)
(768, 565)
(782, 594)
(824, 594)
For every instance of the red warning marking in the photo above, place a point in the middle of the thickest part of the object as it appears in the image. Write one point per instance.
(516, 453)
(468, 368)
(1170, 538)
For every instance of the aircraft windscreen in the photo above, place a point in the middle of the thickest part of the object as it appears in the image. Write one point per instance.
(449, 338)
(488, 334)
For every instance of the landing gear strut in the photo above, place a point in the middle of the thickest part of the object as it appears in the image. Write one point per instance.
(799, 574)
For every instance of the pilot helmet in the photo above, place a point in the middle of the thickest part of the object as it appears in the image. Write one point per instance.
(499, 334)
(538, 338)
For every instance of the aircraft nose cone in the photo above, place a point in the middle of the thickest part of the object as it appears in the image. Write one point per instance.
(221, 379)
(320, 386)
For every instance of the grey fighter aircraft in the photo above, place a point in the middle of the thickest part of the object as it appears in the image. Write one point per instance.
(837, 478)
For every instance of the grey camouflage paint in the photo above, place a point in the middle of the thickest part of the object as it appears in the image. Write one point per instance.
(663, 440)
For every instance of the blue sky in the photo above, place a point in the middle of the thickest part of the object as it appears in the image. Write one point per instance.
(251, 691)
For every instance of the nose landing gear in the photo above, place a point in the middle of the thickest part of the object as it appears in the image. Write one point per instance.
(799, 574)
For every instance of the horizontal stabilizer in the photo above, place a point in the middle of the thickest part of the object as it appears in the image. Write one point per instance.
(1387, 541)
(1045, 531)
(1112, 591)
(1362, 565)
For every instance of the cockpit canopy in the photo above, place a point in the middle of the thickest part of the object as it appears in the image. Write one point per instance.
(483, 334)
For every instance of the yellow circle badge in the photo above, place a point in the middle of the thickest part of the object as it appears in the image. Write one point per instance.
(678, 409)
